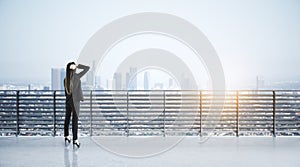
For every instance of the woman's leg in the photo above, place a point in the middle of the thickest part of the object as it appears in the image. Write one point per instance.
(67, 120)
(74, 125)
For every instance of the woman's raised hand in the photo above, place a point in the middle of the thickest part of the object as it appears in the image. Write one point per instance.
(73, 66)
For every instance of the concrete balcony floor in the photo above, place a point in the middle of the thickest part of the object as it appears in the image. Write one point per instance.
(138, 151)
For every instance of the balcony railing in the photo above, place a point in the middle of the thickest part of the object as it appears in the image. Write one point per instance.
(168, 112)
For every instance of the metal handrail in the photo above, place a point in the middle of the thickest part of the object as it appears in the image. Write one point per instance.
(154, 112)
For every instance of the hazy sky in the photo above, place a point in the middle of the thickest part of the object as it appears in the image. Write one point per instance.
(251, 37)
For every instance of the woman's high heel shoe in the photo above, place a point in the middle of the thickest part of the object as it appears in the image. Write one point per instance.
(76, 143)
(67, 140)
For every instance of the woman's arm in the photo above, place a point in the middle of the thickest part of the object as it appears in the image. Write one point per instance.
(84, 71)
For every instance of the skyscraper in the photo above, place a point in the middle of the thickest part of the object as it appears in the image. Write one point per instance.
(131, 79)
(62, 77)
(57, 78)
(97, 81)
(118, 81)
(90, 80)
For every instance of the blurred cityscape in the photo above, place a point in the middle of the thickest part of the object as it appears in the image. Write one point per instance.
(135, 80)
(131, 80)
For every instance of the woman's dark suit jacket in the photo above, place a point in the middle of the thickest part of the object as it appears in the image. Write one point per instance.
(77, 91)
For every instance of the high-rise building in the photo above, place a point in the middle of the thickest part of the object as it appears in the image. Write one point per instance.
(57, 78)
(62, 77)
(118, 81)
(131, 79)
(97, 80)
(90, 80)
(109, 84)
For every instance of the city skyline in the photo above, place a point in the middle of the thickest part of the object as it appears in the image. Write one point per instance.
(132, 80)
(143, 81)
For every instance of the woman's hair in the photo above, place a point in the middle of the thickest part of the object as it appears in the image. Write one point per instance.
(69, 78)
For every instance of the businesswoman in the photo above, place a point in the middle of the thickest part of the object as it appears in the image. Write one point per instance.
(73, 93)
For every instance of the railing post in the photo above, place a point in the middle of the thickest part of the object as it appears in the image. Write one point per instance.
(274, 116)
(127, 118)
(54, 113)
(164, 112)
(18, 113)
(91, 113)
(200, 114)
(237, 113)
